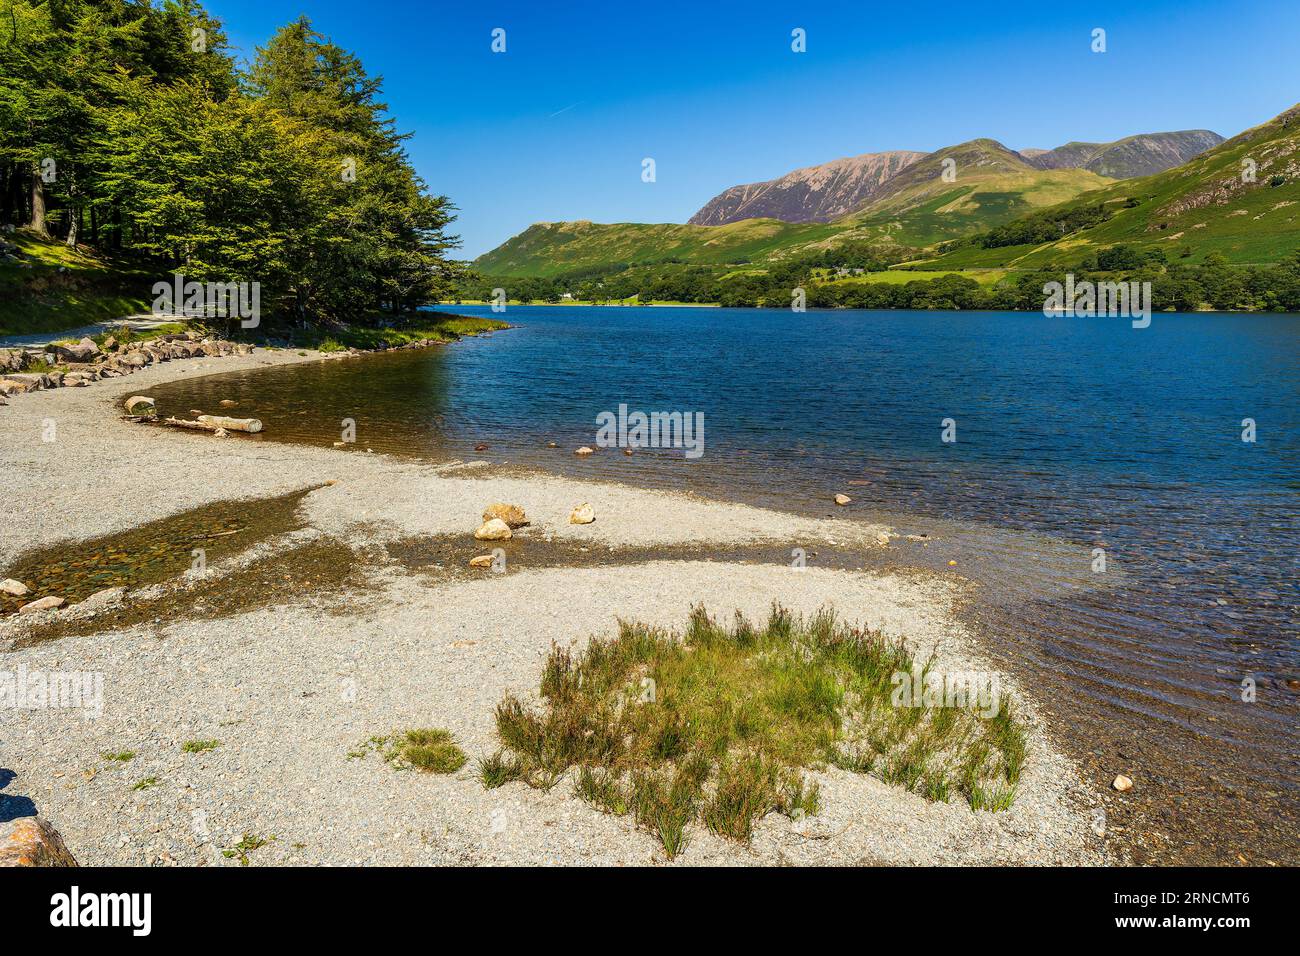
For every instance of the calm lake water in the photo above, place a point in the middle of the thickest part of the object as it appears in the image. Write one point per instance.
(1072, 434)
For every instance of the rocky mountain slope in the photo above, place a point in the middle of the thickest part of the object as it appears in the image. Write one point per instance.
(1141, 155)
(812, 194)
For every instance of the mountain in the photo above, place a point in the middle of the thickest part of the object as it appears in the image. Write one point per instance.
(1141, 155)
(914, 208)
(826, 192)
(963, 189)
(812, 194)
(1189, 206)
(1240, 199)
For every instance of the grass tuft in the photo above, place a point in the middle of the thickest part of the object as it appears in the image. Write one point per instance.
(718, 725)
(199, 746)
(429, 750)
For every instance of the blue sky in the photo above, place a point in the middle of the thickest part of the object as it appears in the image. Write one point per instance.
(557, 126)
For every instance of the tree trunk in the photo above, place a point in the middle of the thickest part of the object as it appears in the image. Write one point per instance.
(38, 206)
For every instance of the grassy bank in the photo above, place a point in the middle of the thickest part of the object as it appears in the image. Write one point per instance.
(717, 726)
(49, 287)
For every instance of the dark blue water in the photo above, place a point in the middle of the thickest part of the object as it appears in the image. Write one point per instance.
(1082, 432)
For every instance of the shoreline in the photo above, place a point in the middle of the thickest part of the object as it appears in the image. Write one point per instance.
(265, 680)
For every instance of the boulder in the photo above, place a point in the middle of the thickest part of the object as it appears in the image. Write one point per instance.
(43, 604)
(493, 530)
(842, 499)
(584, 451)
(84, 351)
(481, 561)
(513, 515)
(583, 514)
(28, 381)
(14, 588)
(31, 841)
(140, 405)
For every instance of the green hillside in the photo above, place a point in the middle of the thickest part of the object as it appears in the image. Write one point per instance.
(46, 286)
(917, 209)
(990, 185)
(1203, 207)
(554, 248)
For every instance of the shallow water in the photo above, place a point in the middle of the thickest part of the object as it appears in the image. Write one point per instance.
(1082, 433)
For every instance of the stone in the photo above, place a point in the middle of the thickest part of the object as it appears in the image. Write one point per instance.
(584, 451)
(583, 514)
(31, 841)
(108, 597)
(493, 530)
(43, 604)
(140, 405)
(842, 499)
(1122, 783)
(14, 588)
(512, 515)
(481, 561)
(84, 351)
(228, 403)
(28, 381)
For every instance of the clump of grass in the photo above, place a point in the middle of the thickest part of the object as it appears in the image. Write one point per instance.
(199, 746)
(498, 769)
(718, 725)
(331, 344)
(120, 756)
(245, 846)
(430, 750)
(146, 783)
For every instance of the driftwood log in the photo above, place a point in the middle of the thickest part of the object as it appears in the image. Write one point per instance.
(216, 423)
(250, 425)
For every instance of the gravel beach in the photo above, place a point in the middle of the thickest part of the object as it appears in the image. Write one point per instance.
(290, 689)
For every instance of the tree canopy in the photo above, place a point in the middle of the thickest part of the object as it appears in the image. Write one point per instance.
(126, 124)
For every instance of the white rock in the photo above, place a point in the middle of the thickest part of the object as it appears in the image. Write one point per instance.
(493, 530)
(44, 604)
(842, 499)
(584, 451)
(583, 514)
(12, 587)
(1122, 783)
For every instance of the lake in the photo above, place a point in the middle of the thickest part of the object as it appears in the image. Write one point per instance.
(1073, 438)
